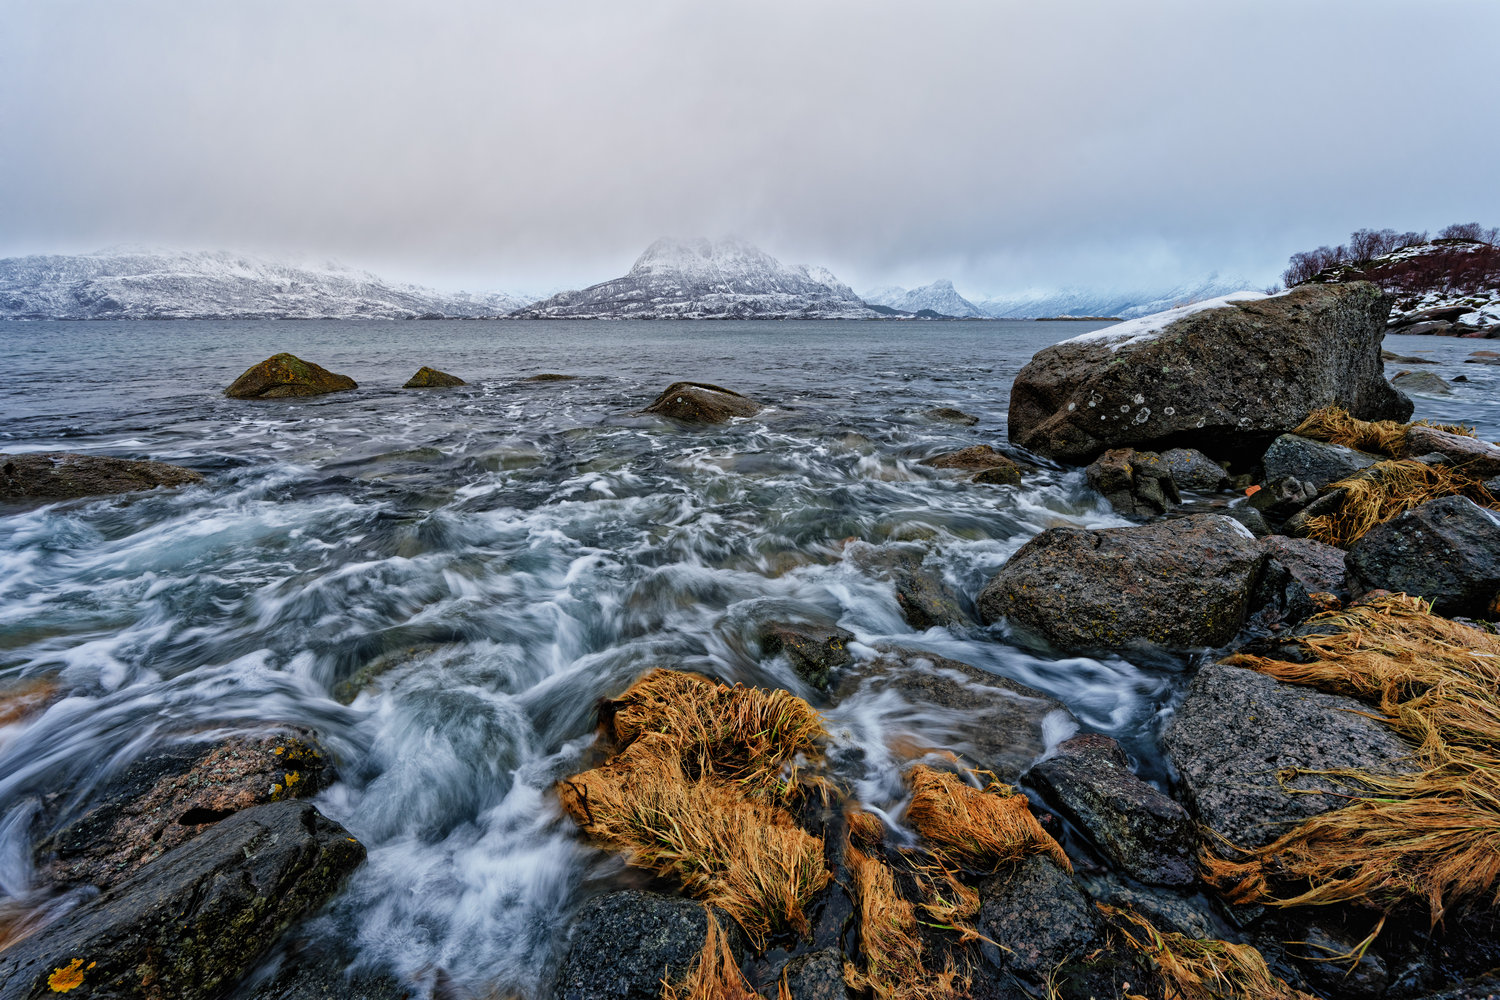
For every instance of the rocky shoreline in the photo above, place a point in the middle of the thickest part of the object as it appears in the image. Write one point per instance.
(1325, 826)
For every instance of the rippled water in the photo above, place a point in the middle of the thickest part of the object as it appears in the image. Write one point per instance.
(443, 583)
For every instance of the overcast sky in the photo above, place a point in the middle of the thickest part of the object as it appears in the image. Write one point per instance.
(1007, 145)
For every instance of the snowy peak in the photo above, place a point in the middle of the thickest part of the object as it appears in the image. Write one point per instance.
(939, 297)
(1122, 303)
(703, 279)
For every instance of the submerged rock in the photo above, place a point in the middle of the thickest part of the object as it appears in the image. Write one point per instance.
(1239, 733)
(1000, 475)
(1479, 459)
(1316, 462)
(1147, 834)
(1136, 483)
(702, 403)
(191, 924)
(1225, 380)
(625, 943)
(549, 377)
(951, 415)
(1183, 582)
(284, 375)
(1190, 469)
(815, 651)
(976, 457)
(431, 378)
(43, 477)
(1447, 551)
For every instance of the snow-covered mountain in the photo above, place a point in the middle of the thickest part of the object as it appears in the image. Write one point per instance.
(939, 297)
(1125, 304)
(171, 284)
(699, 279)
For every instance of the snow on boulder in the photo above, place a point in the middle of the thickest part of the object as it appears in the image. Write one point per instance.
(1225, 376)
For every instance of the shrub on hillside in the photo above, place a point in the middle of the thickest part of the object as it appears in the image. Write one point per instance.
(1366, 245)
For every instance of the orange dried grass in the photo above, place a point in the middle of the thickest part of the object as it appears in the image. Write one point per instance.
(715, 975)
(1201, 969)
(1336, 425)
(974, 828)
(1386, 490)
(892, 949)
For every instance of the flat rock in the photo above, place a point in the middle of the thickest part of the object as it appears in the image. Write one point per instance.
(42, 477)
(1136, 483)
(1143, 831)
(951, 415)
(1037, 915)
(1237, 728)
(624, 943)
(1181, 582)
(284, 375)
(1190, 469)
(1316, 462)
(431, 378)
(976, 457)
(816, 652)
(191, 924)
(702, 403)
(1447, 551)
(1224, 380)
(549, 377)
(1479, 459)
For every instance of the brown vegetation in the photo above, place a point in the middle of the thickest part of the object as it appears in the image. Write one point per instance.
(715, 975)
(1386, 490)
(892, 949)
(1201, 969)
(974, 828)
(1386, 437)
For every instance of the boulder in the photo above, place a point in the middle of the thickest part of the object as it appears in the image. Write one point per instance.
(1253, 520)
(1479, 459)
(1281, 498)
(1224, 380)
(1423, 382)
(431, 378)
(1000, 475)
(1442, 314)
(1447, 551)
(1192, 470)
(1144, 832)
(815, 651)
(170, 795)
(1136, 483)
(1036, 915)
(43, 477)
(326, 975)
(1432, 328)
(1295, 570)
(1316, 462)
(951, 415)
(283, 375)
(624, 943)
(701, 403)
(191, 924)
(1236, 734)
(994, 722)
(1181, 582)
(977, 457)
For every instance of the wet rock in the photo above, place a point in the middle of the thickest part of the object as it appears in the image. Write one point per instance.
(549, 377)
(951, 415)
(1423, 382)
(702, 403)
(925, 600)
(1391, 357)
(191, 925)
(1316, 462)
(1333, 976)
(1000, 475)
(431, 378)
(815, 651)
(978, 457)
(46, 476)
(1295, 570)
(1183, 582)
(171, 795)
(323, 976)
(284, 375)
(1192, 470)
(1201, 381)
(624, 943)
(1447, 551)
(26, 696)
(1037, 915)
(1149, 836)
(818, 976)
(995, 722)
(1253, 520)
(1136, 483)
(1238, 729)
(1479, 459)
(1281, 498)
(1441, 314)
(1167, 910)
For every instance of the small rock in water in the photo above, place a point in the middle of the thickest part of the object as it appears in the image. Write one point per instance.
(431, 378)
(1136, 483)
(1000, 475)
(1423, 382)
(625, 943)
(815, 651)
(549, 377)
(979, 456)
(951, 415)
(1479, 459)
(1391, 357)
(1280, 499)
(702, 403)
(1446, 551)
(46, 476)
(284, 375)
(1190, 469)
(1316, 462)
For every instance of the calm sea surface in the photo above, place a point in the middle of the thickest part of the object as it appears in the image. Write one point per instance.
(443, 583)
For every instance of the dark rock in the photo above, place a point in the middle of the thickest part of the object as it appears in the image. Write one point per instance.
(1222, 380)
(1316, 462)
(1326, 503)
(925, 600)
(1445, 314)
(1192, 470)
(818, 976)
(1164, 908)
(1447, 551)
(1136, 483)
(549, 377)
(1296, 569)
(1280, 498)
(1238, 729)
(171, 795)
(283, 375)
(1000, 475)
(702, 403)
(1425, 382)
(45, 476)
(1253, 520)
(995, 722)
(1432, 327)
(1478, 458)
(979, 456)
(309, 975)
(1392, 358)
(1333, 976)
(1183, 582)
(815, 651)
(1149, 836)
(624, 943)
(1037, 915)
(191, 925)
(431, 378)
(951, 415)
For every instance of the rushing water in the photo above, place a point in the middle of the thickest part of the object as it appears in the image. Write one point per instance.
(443, 583)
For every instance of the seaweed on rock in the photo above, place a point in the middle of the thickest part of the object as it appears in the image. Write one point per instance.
(1386, 490)
(976, 828)
(1336, 425)
(1201, 968)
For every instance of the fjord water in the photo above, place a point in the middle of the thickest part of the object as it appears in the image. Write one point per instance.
(443, 583)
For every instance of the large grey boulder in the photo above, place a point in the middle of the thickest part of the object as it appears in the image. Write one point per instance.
(1182, 582)
(1223, 380)
(1447, 551)
(1316, 462)
(1238, 732)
